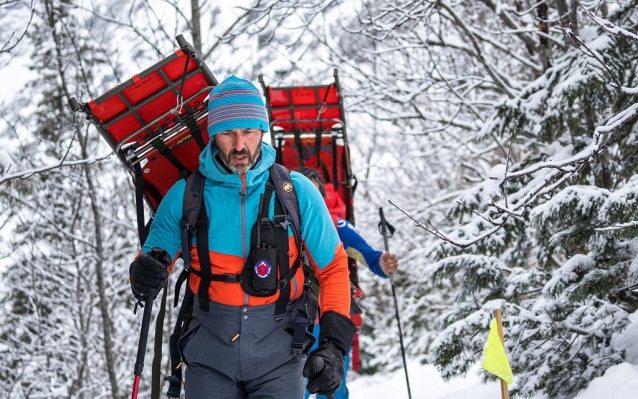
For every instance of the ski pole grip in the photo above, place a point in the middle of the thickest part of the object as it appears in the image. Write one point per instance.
(383, 227)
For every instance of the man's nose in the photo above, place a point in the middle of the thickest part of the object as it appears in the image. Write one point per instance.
(239, 142)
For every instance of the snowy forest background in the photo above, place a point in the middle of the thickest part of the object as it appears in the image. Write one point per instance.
(505, 128)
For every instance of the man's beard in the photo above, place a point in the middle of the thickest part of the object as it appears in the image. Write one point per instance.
(240, 169)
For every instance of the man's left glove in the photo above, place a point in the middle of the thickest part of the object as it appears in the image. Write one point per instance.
(148, 274)
(325, 365)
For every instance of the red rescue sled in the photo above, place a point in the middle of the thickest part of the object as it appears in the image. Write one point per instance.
(308, 129)
(156, 122)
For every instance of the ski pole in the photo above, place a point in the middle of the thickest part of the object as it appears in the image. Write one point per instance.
(387, 231)
(141, 347)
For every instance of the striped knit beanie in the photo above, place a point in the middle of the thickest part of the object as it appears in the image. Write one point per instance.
(235, 103)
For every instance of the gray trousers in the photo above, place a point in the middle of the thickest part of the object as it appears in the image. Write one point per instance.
(240, 352)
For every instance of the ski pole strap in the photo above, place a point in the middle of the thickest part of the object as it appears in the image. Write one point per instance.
(156, 365)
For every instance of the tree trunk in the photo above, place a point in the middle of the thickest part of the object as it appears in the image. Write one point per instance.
(104, 306)
(563, 12)
(573, 17)
(544, 46)
(195, 26)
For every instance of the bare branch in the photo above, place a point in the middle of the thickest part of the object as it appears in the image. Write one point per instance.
(7, 47)
(45, 169)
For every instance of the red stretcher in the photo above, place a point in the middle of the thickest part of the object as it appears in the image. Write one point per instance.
(308, 129)
(156, 122)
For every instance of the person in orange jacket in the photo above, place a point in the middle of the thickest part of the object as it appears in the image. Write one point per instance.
(238, 343)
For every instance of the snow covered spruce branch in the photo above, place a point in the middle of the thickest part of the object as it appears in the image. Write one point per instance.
(611, 29)
(556, 173)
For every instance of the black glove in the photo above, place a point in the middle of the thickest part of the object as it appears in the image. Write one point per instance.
(324, 367)
(148, 274)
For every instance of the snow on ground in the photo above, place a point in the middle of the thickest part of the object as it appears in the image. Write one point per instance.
(619, 381)
(425, 382)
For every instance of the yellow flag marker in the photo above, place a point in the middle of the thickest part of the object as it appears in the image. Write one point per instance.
(494, 358)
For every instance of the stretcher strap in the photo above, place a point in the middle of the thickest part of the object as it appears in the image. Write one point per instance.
(139, 203)
(299, 148)
(196, 132)
(166, 152)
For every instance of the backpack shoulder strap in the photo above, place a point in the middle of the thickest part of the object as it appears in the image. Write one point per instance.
(193, 199)
(286, 193)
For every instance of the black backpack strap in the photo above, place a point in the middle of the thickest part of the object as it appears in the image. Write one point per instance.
(284, 261)
(205, 274)
(286, 193)
(191, 210)
(193, 200)
(286, 209)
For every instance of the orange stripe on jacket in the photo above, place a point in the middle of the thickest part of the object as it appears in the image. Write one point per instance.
(334, 283)
(231, 293)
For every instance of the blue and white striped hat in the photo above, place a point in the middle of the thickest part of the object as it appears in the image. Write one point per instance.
(235, 103)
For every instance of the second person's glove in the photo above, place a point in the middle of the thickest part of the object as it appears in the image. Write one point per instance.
(148, 273)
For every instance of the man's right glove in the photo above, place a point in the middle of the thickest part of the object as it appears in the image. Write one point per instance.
(324, 369)
(325, 365)
(148, 273)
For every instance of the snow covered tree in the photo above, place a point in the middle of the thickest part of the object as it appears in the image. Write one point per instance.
(437, 90)
(67, 323)
(550, 238)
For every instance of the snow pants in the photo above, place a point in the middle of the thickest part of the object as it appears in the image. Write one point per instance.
(342, 392)
(240, 352)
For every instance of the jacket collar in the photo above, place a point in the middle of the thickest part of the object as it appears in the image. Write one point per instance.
(212, 168)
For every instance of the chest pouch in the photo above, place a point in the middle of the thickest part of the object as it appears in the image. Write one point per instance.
(261, 270)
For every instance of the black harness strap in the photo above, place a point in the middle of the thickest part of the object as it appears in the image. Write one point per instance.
(196, 132)
(284, 260)
(206, 273)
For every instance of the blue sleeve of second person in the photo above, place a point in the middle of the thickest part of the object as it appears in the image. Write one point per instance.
(358, 248)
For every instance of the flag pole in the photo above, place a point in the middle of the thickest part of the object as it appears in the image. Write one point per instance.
(505, 394)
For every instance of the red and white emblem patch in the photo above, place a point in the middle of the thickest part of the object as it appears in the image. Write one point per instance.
(262, 268)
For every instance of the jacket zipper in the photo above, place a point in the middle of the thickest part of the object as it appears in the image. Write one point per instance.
(242, 192)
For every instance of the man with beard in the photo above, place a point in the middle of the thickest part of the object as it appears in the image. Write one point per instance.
(238, 344)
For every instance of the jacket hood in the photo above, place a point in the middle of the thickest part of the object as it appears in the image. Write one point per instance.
(210, 167)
